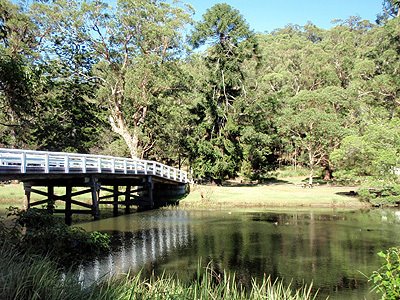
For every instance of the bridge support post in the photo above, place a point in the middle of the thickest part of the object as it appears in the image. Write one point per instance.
(115, 201)
(50, 198)
(68, 204)
(94, 186)
(127, 199)
(27, 199)
(149, 191)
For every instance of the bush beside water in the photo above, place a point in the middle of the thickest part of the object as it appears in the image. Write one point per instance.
(380, 194)
(386, 280)
(39, 232)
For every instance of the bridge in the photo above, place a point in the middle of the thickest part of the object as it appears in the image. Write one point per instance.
(123, 181)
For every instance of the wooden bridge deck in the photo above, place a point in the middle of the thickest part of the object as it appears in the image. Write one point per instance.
(141, 179)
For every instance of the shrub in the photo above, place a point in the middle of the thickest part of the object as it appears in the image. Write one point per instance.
(386, 280)
(380, 193)
(40, 232)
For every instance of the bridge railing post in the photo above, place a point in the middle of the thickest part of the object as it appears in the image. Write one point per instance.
(66, 164)
(83, 160)
(169, 172)
(23, 162)
(46, 163)
(112, 165)
(99, 164)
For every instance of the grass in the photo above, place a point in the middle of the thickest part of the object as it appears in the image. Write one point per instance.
(280, 193)
(11, 195)
(26, 277)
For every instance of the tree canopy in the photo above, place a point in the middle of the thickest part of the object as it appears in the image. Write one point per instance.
(141, 79)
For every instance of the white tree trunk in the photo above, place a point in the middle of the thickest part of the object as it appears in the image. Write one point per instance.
(131, 139)
(310, 179)
(311, 162)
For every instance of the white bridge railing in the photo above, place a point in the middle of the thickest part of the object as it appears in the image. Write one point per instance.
(14, 161)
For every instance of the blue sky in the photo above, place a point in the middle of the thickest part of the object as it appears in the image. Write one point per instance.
(267, 15)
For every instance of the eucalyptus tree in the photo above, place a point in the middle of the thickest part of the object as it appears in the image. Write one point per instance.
(315, 122)
(390, 9)
(230, 43)
(296, 68)
(130, 51)
(385, 53)
(19, 39)
(373, 154)
(44, 106)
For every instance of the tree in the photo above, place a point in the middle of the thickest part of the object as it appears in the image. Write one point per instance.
(314, 121)
(135, 49)
(375, 153)
(18, 75)
(218, 152)
(390, 10)
(68, 121)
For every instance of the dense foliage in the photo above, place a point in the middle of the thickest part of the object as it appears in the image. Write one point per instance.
(39, 233)
(223, 101)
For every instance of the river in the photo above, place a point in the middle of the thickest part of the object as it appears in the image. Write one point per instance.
(332, 249)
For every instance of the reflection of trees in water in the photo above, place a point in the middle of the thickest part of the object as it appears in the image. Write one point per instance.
(134, 250)
(329, 250)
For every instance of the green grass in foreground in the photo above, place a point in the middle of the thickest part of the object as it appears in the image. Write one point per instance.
(27, 277)
(279, 194)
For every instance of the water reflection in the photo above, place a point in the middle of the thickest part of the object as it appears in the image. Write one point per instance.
(132, 250)
(331, 249)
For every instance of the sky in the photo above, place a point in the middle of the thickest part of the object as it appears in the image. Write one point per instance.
(267, 15)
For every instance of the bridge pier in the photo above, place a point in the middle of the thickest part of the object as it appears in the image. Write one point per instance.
(27, 199)
(68, 205)
(51, 201)
(115, 202)
(95, 192)
(127, 199)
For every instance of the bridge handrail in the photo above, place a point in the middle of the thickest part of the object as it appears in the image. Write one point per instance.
(32, 162)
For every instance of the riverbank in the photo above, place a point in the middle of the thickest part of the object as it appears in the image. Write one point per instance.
(285, 193)
(279, 194)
